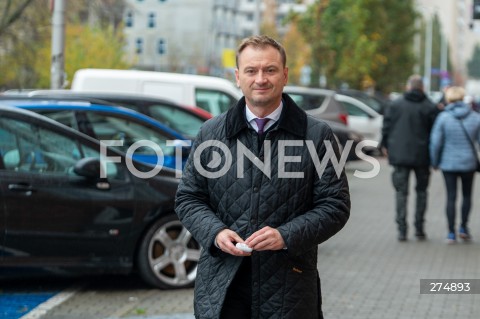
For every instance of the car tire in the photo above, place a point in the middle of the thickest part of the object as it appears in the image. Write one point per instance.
(168, 255)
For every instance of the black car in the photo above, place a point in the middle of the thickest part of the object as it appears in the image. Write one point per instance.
(63, 210)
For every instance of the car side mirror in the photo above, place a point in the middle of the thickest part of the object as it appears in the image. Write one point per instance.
(88, 167)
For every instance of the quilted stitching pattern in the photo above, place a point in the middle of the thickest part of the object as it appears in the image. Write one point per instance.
(284, 282)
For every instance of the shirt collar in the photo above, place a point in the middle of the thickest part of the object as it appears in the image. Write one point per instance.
(274, 117)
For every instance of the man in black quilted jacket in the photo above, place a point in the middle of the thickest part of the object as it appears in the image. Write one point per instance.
(264, 174)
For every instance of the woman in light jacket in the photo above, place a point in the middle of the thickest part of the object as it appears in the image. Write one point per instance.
(455, 131)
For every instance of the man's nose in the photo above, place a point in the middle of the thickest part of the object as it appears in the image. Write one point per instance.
(261, 77)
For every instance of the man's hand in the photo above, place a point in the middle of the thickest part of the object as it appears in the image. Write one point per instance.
(226, 240)
(267, 238)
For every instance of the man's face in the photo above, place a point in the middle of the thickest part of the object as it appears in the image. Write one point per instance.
(261, 76)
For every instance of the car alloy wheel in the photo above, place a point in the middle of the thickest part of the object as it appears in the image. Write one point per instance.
(168, 255)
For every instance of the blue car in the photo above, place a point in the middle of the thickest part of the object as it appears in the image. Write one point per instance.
(112, 123)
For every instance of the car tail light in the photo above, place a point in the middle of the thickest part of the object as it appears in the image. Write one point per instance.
(199, 111)
(343, 118)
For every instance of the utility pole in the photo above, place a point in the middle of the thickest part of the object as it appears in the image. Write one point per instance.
(428, 55)
(57, 69)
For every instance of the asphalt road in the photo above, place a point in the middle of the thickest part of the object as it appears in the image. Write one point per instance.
(366, 273)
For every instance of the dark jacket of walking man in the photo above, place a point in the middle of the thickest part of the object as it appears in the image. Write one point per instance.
(262, 185)
(406, 133)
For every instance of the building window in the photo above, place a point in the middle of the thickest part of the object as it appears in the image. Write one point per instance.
(162, 47)
(129, 19)
(139, 46)
(151, 20)
(163, 0)
(249, 16)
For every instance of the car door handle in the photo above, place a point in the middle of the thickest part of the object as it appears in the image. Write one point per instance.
(21, 188)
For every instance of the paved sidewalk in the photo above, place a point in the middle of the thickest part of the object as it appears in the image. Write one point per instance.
(366, 273)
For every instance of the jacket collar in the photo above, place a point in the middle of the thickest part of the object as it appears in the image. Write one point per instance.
(293, 119)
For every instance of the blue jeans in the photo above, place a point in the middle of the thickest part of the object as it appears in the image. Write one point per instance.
(400, 179)
(451, 179)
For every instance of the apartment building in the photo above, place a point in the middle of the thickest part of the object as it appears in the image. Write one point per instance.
(194, 36)
(461, 31)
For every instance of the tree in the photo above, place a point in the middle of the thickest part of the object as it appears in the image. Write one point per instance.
(26, 42)
(298, 54)
(309, 25)
(361, 43)
(11, 11)
(87, 48)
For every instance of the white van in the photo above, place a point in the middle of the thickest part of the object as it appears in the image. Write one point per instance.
(213, 94)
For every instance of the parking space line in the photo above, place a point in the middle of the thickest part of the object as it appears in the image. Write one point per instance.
(54, 301)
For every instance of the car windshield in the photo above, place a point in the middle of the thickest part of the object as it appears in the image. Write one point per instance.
(108, 127)
(177, 118)
(307, 101)
(213, 101)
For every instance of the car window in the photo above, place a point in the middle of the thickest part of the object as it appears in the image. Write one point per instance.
(307, 101)
(26, 147)
(109, 127)
(65, 117)
(354, 110)
(215, 102)
(177, 119)
(374, 104)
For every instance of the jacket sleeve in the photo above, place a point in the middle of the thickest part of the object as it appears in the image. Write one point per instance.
(436, 141)
(192, 204)
(386, 126)
(330, 210)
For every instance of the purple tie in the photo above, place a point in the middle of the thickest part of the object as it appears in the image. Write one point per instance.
(261, 124)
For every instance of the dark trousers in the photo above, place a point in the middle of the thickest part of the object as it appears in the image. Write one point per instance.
(451, 179)
(238, 301)
(400, 179)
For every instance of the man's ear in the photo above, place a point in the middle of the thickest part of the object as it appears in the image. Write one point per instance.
(236, 78)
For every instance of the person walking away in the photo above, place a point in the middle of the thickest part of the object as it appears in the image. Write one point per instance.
(258, 185)
(406, 134)
(455, 136)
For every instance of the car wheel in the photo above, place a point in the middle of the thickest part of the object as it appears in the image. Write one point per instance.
(168, 255)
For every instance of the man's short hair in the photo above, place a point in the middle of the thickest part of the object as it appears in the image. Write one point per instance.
(261, 41)
(415, 82)
(454, 94)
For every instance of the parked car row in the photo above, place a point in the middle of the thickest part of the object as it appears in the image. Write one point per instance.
(118, 221)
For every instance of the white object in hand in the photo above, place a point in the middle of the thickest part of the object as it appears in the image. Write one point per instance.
(244, 247)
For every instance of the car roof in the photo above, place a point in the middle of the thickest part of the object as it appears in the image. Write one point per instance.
(303, 89)
(153, 75)
(14, 110)
(89, 107)
(107, 97)
(8, 108)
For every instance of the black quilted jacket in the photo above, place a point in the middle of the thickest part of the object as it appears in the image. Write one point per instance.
(307, 211)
